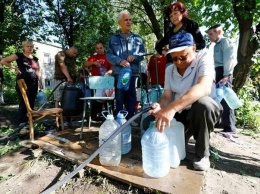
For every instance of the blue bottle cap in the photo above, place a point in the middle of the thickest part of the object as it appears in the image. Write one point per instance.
(120, 116)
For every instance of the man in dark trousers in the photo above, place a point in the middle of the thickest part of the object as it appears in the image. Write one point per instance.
(65, 70)
(224, 61)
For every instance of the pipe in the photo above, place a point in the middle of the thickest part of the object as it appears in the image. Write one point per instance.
(93, 155)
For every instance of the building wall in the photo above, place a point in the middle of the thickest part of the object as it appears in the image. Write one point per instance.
(46, 55)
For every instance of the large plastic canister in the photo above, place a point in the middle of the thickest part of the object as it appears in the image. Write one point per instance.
(111, 154)
(70, 102)
(175, 134)
(126, 134)
(219, 92)
(41, 97)
(155, 152)
(231, 98)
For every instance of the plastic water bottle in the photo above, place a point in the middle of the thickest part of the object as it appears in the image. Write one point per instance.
(155, 152)
(231, 98)
(102, 70)
(175, 134)
(219, 92)
(124, 78)
(111, 154)
(126, 134)
(181, 140)
(41, 97)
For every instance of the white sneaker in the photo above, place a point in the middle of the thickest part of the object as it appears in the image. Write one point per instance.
(202, 164)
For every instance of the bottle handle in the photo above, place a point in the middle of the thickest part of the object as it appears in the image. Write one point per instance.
(103, 113)
(218, 85)
(124, 112)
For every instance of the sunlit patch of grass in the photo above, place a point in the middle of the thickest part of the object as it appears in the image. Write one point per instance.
(10, 146)
(5, 131)
(4, 178)
(214, 157)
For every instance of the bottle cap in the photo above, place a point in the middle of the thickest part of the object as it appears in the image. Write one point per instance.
(152, 123)
(110, 117)
(120, 116)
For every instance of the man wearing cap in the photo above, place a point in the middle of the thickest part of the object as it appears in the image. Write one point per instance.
(189, 95)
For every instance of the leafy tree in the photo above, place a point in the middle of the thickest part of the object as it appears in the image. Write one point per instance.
(84, 22)
(238, 16)
(19, 20)
(81, 23)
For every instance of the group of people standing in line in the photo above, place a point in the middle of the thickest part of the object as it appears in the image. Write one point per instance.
(186, 70)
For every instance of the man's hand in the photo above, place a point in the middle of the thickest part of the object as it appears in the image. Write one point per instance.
(155, 108)
(160, 123)
(125, 63)
(163, 117)
(97, 63)
(130, 58)
(224, 80)
(69, 80)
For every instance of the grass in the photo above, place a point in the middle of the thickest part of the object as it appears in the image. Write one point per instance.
(10, 146)
(4, 178)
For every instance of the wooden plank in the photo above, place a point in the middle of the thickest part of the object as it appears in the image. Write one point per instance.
(181, 180)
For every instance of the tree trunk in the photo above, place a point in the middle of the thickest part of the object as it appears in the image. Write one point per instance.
(150, 13)
(247, 46)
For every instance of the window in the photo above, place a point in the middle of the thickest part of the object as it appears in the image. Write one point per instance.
(47, 59)
(47, 82)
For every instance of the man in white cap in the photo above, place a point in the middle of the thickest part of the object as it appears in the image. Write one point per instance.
(189, 95)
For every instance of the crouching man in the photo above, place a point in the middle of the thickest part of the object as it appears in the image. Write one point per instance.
(189, 95)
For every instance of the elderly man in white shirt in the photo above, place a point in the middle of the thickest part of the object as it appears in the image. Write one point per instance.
(189, 95)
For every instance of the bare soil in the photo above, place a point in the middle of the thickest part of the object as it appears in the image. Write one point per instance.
(235, 167)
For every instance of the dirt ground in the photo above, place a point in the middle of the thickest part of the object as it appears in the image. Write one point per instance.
(235, 168)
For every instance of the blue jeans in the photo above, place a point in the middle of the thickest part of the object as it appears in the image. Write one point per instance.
(125, 100)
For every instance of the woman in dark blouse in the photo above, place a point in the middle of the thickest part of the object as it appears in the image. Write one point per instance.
(28, 69)
(177, 15)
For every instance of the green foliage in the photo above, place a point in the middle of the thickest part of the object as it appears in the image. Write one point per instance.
(5, 131)
(83, 23)
(6, 148)
(39, 128)
(4, 178)
(48, 93)
(256, 58)
(19, 20)
(10, 96)
(214, 156)
(9, 78)
(248, 116)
